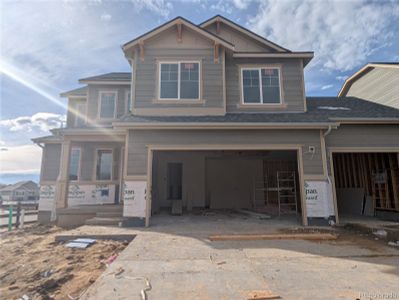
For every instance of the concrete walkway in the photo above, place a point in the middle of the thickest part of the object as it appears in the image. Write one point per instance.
(181, 263)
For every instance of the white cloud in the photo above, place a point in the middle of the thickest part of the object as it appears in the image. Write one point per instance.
(241, 4)
(23, 159)
(342, 78)
(326, 87)
(222, 7)
(342, 34)
(106, 17)
(160, 7)
(41, 121)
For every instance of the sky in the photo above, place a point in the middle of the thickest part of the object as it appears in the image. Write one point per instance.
(46, 46)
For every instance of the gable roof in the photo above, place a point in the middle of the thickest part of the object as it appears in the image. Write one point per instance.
(364, 70)
(173, 22)
(320, 111)
(245, 31)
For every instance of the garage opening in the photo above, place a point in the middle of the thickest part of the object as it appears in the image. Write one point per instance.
(265, 182)
(367, 184)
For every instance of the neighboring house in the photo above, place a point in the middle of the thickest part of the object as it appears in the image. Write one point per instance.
(377, 82)
(23, 191)
(215, 116)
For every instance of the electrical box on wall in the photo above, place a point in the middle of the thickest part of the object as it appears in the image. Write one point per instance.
(312, 149)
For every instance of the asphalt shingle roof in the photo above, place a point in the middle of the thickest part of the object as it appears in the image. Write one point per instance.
(114, 76)
(319, 110)
(82, 91)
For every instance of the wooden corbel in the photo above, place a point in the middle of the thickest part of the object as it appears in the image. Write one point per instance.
(216, 52)
(179, 32)
(217, 26)
(141, 45)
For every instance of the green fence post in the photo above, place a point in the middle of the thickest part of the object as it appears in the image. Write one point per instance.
(10, 218)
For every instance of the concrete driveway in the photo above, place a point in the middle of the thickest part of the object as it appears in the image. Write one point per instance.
(180, 262)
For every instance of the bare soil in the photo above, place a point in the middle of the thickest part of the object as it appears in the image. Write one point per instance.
(33, 264)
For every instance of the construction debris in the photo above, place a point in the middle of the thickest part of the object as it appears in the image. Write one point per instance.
(34, 266)
(262, 295)
(80, 243)
(276, 236)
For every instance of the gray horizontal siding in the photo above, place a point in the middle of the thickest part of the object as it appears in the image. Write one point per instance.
(380, 85)
(365, 136)
(147, 76)
(138, 141)
(291, 78)
(51, 162)
(72, 106)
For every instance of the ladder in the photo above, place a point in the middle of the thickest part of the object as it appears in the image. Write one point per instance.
(287, 194)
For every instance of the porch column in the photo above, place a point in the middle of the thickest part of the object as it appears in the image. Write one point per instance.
(61, 187)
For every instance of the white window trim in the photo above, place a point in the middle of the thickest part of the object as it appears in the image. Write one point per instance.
(127, 101)
(179, 62)
(99, 104)
(112, 165)
(85, 114)
(79, 164)
(259, 68)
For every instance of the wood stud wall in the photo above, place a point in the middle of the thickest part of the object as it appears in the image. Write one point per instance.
(377, 173)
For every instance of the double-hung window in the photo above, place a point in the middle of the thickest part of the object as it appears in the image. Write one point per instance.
(104, 164)
(74, 163)
(80, 117)
(179, 80)
(261, 85)
(107, 105)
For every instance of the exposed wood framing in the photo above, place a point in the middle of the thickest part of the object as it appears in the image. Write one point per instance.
(376, 173)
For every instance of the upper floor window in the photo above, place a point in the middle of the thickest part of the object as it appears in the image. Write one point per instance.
(107, 107)
(261, 85)
(179, 80)
(80, 118)
(74, 163)
(104, 164)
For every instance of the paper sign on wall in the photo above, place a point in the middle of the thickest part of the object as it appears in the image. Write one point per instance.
(91, 194)
(134, 201)
(47, 197)
(319, 199)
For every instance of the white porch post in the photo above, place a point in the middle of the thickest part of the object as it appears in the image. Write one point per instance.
(61, 188)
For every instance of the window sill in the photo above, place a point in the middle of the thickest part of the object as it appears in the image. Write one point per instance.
(262, 106)
(181, 101)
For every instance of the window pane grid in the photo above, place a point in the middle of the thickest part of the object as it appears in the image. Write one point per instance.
(268, 91)
(107, 105)
(179, 80)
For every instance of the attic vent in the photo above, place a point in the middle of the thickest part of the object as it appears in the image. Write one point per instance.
(333, 108)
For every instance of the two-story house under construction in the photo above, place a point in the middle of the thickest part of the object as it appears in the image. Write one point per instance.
(214, 116)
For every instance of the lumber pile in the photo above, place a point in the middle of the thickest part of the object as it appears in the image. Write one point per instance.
(274, 236)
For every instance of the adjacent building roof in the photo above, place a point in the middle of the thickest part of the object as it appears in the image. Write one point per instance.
(364, 70)
(19, 185)
(114, 77)
(319, 110)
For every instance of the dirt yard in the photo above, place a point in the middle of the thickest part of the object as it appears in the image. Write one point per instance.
(33, 264)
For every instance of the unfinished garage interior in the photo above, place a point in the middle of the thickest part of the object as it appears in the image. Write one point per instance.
(260, 181)
(367, 184)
